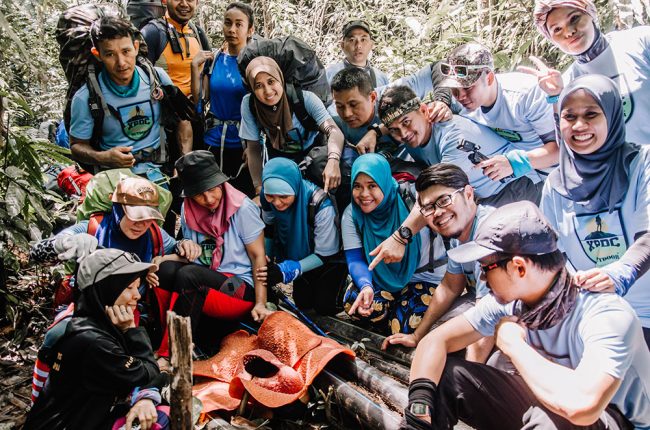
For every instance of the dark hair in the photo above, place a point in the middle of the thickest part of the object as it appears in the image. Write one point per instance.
(245, 8)
(444, 174)
(351, 78)
(109, 28)
(551, 262)
(394, 96)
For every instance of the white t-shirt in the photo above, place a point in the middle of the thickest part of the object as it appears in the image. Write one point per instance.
(601, 329)
(627, 62)
(245, 227)
(597, 239)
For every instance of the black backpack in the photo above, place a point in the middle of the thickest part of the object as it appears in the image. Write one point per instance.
(169, 34)
(143, 11)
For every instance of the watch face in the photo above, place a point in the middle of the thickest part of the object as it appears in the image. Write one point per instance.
(419, 409)
(405, 232)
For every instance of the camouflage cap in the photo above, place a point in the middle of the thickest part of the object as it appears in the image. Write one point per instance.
(476, 57)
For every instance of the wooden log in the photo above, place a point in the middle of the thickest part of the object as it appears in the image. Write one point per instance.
(180, 340)
(396, 370)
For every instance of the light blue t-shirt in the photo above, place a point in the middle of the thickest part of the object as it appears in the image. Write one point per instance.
(168, 242)
(420, 82)
(139, 123)
(601, 332)
(245, 227)
(250, 128)
(597, 239)
(520, 113)
(441, 148)
(627, 62)
(333, 69)
(471, 270)
(326, 235)
(431, 251)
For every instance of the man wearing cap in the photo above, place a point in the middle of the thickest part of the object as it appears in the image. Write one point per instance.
(580, 356)
(356, 44)
(511, 104)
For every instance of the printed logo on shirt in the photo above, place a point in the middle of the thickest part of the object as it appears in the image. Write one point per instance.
(509, 135)
(602, 236)
(136, 119)
(626, 95)
(207, 247)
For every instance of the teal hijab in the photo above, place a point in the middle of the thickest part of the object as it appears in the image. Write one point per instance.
(376, 226)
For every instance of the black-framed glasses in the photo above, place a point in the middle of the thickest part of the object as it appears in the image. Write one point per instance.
(485, 268)
(441, 202)
(460, 70)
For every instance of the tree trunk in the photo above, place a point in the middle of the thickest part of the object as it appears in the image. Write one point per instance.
(180, 338)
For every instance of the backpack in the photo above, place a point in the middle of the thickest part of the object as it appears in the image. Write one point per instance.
(168, 34)
(156, 235)
(143, 11)
(81, 67)
(73, 181)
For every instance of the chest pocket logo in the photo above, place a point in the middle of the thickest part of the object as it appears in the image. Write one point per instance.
(509, 135)
(602, 236)
(207, 247)
(626, 95)
(136, 119)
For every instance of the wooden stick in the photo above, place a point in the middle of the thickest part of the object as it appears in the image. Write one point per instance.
(180, 339)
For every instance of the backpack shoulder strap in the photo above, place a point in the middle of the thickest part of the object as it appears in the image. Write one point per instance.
(158, 43)
(200, 35)
(156, 236)
(318, 197)
(93, 222)
(297, 102)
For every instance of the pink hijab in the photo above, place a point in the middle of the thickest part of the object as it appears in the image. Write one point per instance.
(214, 224)
(544, 7)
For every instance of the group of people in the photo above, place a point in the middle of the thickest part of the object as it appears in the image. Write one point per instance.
(527, 189)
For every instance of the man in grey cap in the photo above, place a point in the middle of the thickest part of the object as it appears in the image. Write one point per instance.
(580, 357)
(511, 104)
(356, 44)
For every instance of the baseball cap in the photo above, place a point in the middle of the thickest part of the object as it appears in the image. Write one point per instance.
(356, 23)
(517, 228)
(103, 263)
(199, 172)
(465, 65)
(139, 198)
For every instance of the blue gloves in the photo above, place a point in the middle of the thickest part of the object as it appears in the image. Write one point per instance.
(623, 276)
(290, 270)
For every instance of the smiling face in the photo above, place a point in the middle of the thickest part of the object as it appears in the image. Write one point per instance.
(181, 11)
(209, 199)
(356, 109)
(134, 229)
(366, 193)
(268, 90)
(118, 56)
(357, 46)
(454, 220)
(583, 123)
(236, 29)
(130, 295)
(413, 128)
(570, 29)
(280, 202)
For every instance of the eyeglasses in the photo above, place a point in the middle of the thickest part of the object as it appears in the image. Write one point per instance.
(500, 263)
(441, 202)
(460, 70)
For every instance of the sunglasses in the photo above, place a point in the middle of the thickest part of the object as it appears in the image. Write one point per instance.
(460, 70)
(500, 263)
(441, 202)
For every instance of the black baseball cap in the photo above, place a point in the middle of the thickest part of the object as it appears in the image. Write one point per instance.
(199, 172)
(517, 228)
(356, 23)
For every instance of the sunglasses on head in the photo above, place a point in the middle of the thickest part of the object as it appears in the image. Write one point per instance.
(460, 70)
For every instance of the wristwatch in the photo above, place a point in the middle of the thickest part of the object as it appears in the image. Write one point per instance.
(376, 127)
(420, 409)
(405, 233)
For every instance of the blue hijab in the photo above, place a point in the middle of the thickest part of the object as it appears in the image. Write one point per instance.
(291, 225)
(376, 226)
(109, 235)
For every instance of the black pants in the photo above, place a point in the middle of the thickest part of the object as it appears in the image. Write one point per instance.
(646, 336)
(487, 398)
(319, 289)
(232, 161)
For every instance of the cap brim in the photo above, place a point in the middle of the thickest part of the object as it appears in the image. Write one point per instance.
(205, 185)
(452, 83)
(364, 28)
(135, 267)
(469, 252)
(142, 213)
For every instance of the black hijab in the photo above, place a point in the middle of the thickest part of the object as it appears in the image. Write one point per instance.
(599, 180)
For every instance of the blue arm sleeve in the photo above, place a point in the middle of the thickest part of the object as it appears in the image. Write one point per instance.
(358, 268)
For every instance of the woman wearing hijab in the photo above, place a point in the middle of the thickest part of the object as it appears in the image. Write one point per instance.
(285, 135)
(597, 199)
(103, 366)
(393, 296)
(623, 56)
(221, 85)
(227, 226)
(305, 246)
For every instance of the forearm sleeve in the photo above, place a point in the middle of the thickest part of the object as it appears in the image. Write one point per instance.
(358, 267)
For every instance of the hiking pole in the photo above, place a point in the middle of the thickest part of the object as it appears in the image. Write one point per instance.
(297, 311)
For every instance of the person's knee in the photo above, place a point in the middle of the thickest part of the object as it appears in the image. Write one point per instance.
(167, 273)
